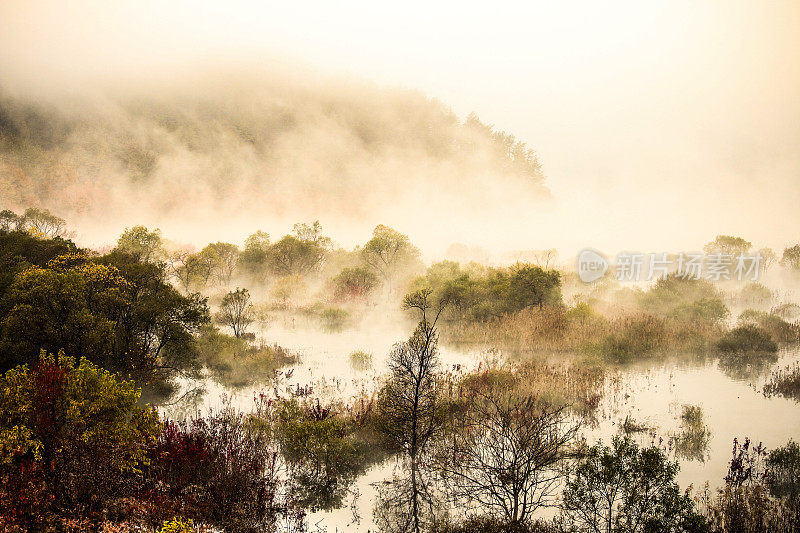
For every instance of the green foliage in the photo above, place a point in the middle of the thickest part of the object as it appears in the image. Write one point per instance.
(289, 287)
(9, 220)
(759, 495)
(74, 427)
(728, 244)
(333, 319)
(683, 298)
(142, 244)
(253, 259)
(292, 255)
(626, 489)
(694, 437)
(236, 311)
(783, 471)
(490, 524)
(322, 450)
(20, 251)
(785, 381)
(360, 361)
(116, 311)
(356, 283)
(74, 309)
(482, 294)
(755, 294)
(746, 352)
(791, 258)
(775, 325)
(42, 224)
(390, 254)
(235, 363)
(747, 339)
(635, 337)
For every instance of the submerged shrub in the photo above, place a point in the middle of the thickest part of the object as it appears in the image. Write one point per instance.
(323, 452)
(633, 337)
(747, 339)
(361, 361)
(693, 440)
(783, 471)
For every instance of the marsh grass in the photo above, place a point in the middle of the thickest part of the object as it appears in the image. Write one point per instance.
(784, 382)
(237, 363)
(692, 441)
(361, 361)
(630, 426)
(581, 387)
(619, 340)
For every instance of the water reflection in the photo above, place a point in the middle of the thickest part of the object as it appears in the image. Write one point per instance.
(691, 408)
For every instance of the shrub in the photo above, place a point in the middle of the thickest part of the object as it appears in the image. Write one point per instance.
(221, 470)
(486, 524)
(693, 440)
(747, 339)
(236, 363)
(72, 440)
(333, 319)
(361, 361)
(354, 284)
(783, 470)
(627, 489)
(759, 493)
(323, 453)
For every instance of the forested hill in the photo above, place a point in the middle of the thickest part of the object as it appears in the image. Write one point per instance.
(237, 144)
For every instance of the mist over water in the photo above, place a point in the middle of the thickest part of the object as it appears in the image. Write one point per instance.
(504, 139)
(656, 129)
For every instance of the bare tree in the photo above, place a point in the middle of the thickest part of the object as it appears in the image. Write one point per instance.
(505, 453)
(43, 223)
(410, 402)
(236, 311)
(181, 263)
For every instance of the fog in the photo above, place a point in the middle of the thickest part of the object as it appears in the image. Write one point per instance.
(657, 126)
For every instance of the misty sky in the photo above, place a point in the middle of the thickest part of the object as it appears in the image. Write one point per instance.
(659, 124)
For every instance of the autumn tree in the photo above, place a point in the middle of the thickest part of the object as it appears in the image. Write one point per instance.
(354, 283)
(74, 309)
(533, 286)
(19, 251)
(9, 221)
(72, 440)
(253, 258)
(221, 259)
(728, 245)
(236, 311)
(389, 253)
(143, 244)
(791, 258)
(114, 310)
(768, 258)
